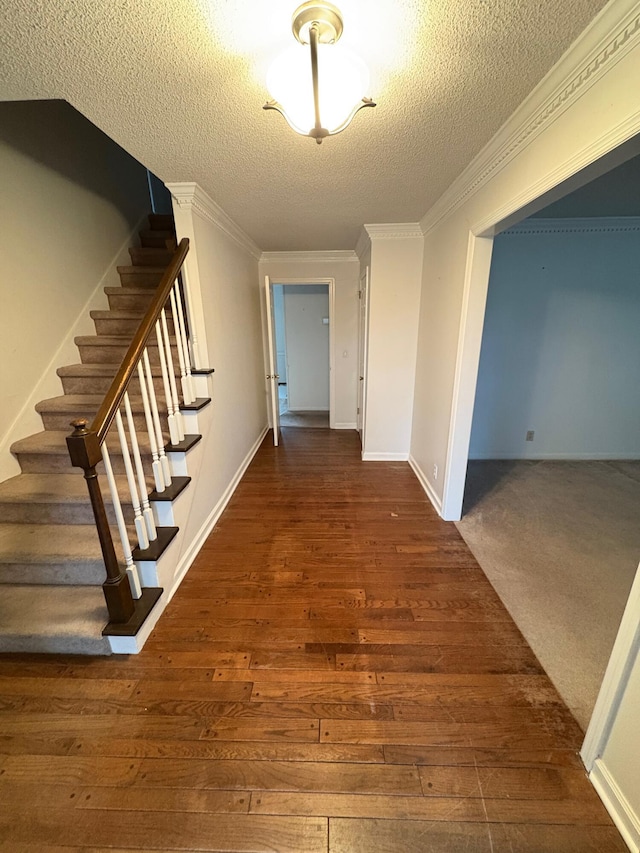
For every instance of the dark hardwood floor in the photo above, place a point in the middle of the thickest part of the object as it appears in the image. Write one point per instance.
(335, 674)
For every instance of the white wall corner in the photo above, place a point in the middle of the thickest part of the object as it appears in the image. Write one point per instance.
(321, 256)
(364, 241)
(625, 819)
(189, 195)
(426, 485)
(609, 37)
(394, 231)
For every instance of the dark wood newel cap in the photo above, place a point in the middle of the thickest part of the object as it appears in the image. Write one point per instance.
(80, 426)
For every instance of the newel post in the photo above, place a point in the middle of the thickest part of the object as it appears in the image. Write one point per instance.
(85, 453)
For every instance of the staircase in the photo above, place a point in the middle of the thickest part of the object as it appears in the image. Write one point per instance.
(51, 565)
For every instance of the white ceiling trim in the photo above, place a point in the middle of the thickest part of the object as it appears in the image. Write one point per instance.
(338, 256)
(611, 35)
(191, 195)
(394, 231)
(574, 225)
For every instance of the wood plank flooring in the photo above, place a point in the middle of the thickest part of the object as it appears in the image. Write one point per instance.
(335, 675)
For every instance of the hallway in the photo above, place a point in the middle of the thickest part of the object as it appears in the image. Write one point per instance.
(334, 675)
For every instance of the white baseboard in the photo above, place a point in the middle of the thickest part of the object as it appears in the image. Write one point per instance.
(426, 485)
(558, 457)
(627, 822)
(310, 409)
(133, 645)
(345, 426)
(385, 457)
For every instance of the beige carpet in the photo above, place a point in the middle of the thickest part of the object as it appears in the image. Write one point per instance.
(560, 542)
(319, 420)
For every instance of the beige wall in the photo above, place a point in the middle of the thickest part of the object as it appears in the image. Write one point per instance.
(229, 315)
(70, 200)
(394, 303)
(345, 333)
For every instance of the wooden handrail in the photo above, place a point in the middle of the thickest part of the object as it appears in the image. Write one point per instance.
(85, 450)
(111, 403)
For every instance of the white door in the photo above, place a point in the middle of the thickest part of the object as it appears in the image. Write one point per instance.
(363, 329)
(272, 375)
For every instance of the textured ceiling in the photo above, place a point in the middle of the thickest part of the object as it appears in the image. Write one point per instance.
(180, 85)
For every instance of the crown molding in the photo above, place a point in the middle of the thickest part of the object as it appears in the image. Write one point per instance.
(610, 36)
(337, 256)
(394, 230)
(190, 196)
(575, 225)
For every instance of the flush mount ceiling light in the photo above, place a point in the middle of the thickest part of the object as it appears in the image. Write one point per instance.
(318, 94)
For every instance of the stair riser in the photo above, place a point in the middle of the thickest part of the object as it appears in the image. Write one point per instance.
(53, 574)
(96, 353)
(161, 222)
(54, 645)
(146, 257)
(155, 239)
(101, 384)
(60, 513)
(140, 278)
(43, 463)
(62, 420)
(126, 328)
(130, 301)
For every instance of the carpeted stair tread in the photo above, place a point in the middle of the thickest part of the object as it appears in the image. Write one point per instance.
(54, 442)
(115, 314)
(115, 341)
(97, 370)
(54, 620)
(81, 403)
(56, 488)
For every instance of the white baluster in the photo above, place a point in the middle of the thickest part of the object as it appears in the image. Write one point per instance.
(166, 470)
(195, 349)
(147, 514)
(138, 520)
(181, 346)
(177, 414)
(156, 465)
(132, 571)
(171, 418)
(185, 385)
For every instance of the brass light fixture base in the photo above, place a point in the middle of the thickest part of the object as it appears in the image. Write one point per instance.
(325, 16)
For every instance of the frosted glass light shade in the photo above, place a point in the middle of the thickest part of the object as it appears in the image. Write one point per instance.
(343, 80)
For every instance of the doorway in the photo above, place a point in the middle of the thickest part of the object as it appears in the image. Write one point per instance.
(300, 318)
(576, 301)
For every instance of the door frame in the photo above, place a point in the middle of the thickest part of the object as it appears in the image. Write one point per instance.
(363, 352)
(331, 283)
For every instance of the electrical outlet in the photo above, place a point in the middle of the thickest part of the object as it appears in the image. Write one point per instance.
(530, 434)
(435, 472)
